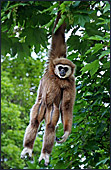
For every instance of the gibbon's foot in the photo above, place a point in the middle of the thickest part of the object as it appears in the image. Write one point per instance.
(44, 156)
(63, 138)
(25, 151)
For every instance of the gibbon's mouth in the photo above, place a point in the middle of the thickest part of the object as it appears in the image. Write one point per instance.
(62, 77)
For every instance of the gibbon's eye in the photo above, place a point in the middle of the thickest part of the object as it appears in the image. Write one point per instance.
(66, 69)
(60, 67)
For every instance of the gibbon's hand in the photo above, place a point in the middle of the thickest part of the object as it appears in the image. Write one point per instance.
(25, 151)
(64, 138)
(44, 156)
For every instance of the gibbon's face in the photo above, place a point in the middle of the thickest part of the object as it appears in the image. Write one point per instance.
(63, 71)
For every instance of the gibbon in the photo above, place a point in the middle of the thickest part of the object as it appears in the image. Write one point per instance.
(56, 95)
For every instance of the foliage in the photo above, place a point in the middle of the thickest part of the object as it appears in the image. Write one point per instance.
(18, 84)
(25, 28)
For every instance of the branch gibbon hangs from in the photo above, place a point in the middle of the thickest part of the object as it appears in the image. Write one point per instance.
(56, 95)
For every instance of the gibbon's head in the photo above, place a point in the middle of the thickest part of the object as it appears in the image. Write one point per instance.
(63, 68)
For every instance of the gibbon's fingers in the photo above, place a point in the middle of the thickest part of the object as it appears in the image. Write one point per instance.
(25, 151)
(64, 138)
(44, 156)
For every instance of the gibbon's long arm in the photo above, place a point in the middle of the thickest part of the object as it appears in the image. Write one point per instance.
(67, 112)
(58, 46)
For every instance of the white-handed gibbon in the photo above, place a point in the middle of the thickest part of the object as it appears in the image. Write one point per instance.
(56, 95)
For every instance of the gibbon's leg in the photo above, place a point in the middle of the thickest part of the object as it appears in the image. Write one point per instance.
(51, 117)
(67, 114)
(36, 116)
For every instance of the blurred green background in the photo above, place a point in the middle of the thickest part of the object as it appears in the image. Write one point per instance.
(26, 28)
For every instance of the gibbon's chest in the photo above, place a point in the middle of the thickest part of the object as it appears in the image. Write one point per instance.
(53, 87)
(61, 84)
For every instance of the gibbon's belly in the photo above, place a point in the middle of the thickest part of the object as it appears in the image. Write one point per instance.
(51, 92)
(53, 95)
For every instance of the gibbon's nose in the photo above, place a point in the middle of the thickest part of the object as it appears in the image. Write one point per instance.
(62, 72)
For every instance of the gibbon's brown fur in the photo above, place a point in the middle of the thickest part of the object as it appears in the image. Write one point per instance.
(55, 95)
(58, 46)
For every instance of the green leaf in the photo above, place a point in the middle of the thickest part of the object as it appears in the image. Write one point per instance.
(76, 148)
(107, 7)
(72, 56)
(81, 19)
(76, 3)
(94, 49)
(104, 53)
(91, 146)
(102, 161)
(26, 49)
(9, 14)
(84, 11)
(30, 38)
(96, 37)
(73, 42)
(31, 165)
(92, 29)
(50, 23)
(100, 128)
(92, 67)
(6, 44)
(106, 65)
(105, 21)
(16, 5)
(50, 8)
(60, 22)
(37, 47)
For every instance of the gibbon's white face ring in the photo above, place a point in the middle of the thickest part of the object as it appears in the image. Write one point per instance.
(68, 73)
